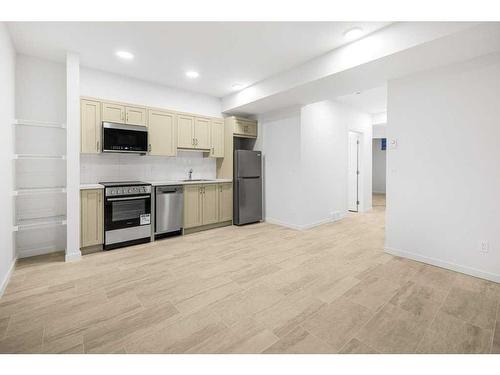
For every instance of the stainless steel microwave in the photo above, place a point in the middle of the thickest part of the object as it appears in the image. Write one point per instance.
(131, 139)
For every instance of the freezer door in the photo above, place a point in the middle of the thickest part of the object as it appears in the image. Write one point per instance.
(248, 200)
(248, 163)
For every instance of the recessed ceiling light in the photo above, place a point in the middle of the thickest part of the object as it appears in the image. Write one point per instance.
(353, 33)
(238, 86)
(124, 55)
(192, 74)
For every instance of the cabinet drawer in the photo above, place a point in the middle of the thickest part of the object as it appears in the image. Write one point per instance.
(245, 128)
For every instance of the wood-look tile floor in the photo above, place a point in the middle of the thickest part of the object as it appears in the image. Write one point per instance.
(253, 289)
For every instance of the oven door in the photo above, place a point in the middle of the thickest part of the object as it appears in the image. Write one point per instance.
(127, 212)
(124, 138)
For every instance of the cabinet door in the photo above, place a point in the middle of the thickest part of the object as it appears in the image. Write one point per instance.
(135, 116)
(192, 206)
(161, 133)
(91, 217)
(90, 126)
(225, 201)
(245, 128)
(113, 112)
(202, 133)
(185, 131)
(210, 209)
(217, 139)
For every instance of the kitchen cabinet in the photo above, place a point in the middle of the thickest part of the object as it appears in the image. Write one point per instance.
(217, 138)
(91, 217)
(112, 112)
(90, 126)
(210, 204)
(225, 191)
(185, 131)
(162, 133)
(207, 204)
(192, 206)
(245, 128)
(193, 132)
(123, 114)
(202, 133)
(135, 116)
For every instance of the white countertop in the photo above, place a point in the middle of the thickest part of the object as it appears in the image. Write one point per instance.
(91, 186)
(170, 182)
(163, 183)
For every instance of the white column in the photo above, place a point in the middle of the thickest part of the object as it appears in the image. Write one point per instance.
(73, 157)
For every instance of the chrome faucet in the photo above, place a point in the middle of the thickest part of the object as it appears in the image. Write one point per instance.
(190, 173)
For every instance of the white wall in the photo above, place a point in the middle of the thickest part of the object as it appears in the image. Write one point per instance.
(325, 127)
(379, 166)
(7, 114)
(305, 163)
(101, 84)
(443, 180)
(95, 168)
(279, 140)
(379, 130)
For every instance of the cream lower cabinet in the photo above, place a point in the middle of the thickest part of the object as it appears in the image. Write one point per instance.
(225, 192)
(207, 204)
(162, 133)
(90, 126)
(91, 217)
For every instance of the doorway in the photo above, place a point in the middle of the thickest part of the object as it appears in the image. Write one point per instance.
(353, 171)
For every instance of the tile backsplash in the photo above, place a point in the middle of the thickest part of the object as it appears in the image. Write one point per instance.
(123, 167)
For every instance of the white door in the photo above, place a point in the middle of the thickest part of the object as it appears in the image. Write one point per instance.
(353, 172)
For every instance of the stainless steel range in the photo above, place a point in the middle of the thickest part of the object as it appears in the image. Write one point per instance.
(127, 213)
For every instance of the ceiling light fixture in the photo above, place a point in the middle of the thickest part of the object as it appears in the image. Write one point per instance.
(124, 55)
(192, 74)
(238, 86)
(353, 33)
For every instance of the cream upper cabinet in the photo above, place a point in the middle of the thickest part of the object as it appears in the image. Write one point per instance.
(225, 191)
(192, 206)
(90, 126)
(244, 128)
(185, 131)
(112, 112)
(162, 133)
(91, 217)
(135, 116)
(202, 133)
(217, 138)
(210, 202)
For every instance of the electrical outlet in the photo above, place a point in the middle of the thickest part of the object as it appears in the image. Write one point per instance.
(484, 246)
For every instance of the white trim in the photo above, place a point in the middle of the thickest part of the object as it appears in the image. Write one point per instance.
(72, 257)
(7, 277)
(444, 264)
(270, 220)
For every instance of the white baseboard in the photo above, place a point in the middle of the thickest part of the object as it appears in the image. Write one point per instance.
(7, 277)
(72, 257)
(306, 226)
(444, 264)
(26, 253)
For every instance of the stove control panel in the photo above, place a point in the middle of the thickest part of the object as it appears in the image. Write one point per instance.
(116, 191)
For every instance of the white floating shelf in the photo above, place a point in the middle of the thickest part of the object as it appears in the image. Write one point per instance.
(34, 191)
(39, 156)
(43, 124)
(39, 223)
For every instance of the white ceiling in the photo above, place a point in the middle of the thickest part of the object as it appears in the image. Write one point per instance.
(224, 53)
(370, 101)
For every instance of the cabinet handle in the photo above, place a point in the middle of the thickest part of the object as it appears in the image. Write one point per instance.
(97, 146)
(196, 140)
(149, 147)
(192, 141)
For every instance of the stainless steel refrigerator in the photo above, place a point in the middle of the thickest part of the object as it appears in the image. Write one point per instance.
(247, 187)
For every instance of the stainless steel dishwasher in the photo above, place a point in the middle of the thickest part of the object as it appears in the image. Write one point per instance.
(169, 203)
